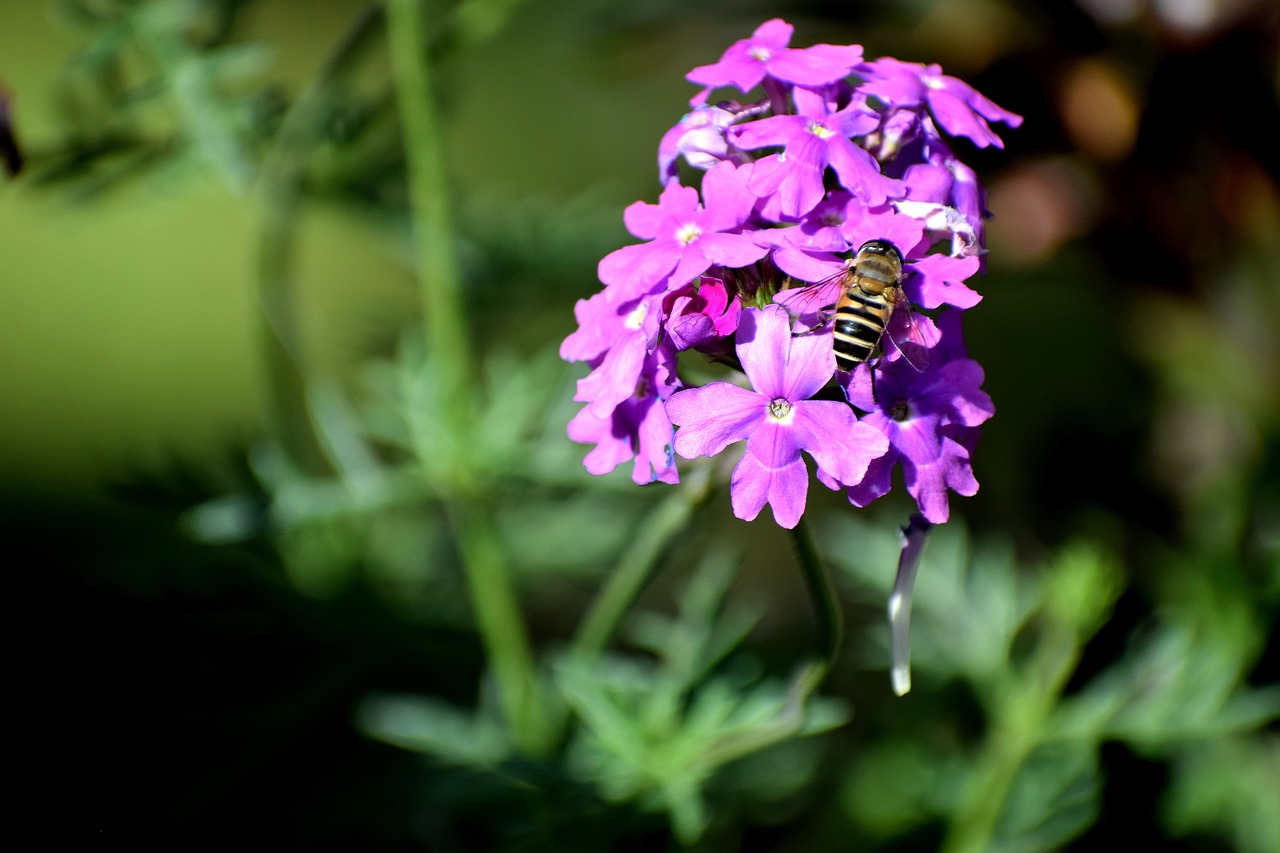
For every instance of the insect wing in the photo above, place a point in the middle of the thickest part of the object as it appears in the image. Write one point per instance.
(809, 304)
(913, 335)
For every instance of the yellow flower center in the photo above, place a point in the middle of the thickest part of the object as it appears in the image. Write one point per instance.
(820, 130)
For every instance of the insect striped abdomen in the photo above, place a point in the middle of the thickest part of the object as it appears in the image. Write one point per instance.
(858, 326)
(864, 307)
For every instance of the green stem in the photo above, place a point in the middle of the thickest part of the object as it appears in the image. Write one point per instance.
(501, 624)
(1020, 707)
(635, 569)
(447, 336)
(830, 624)
(279, 189)
(450, 355)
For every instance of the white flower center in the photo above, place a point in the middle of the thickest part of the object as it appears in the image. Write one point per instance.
(636, 318)
(761, 53)
(688, 233)
(780, 410)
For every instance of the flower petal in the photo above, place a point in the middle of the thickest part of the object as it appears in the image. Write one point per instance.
(842, 446)
(810, 363)
(764, 336)
(713, 417)
(754, 484)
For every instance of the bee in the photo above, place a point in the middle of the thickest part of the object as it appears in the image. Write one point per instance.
(869, 305)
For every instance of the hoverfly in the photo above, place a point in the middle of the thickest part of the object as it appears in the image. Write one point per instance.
(869, 305)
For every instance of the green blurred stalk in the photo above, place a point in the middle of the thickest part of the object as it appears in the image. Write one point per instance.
(279, 192)
(653, 539)
(830, 624)
(1018, 724)
(1080, 588)
(450, 354)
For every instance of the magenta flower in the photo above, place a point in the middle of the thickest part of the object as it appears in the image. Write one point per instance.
(616, 339)
(813, 139)
(928, 418)
(601, 324)
(700, 316)
(777, 420)
(956, 106)
(685, 237)
(637, 428)
(749, 61)
(766, 219)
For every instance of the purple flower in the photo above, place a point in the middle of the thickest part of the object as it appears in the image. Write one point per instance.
(616, 339)
(944, 180)
(927, 417)
(638, 427)
(766, 219)
(685, 237)
(939, 280)
(956, 106)
(777, 420)
(699, 317)
(813, 139)
(700, 138)
(748, 61)
(601, 324)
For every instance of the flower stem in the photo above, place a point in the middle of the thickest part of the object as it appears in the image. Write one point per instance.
(637, 565)
(826, 606)
(447, 336)
(278, 187)
(450, 354)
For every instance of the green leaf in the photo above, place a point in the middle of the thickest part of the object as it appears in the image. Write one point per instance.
(1227, 787)
(435, 728)
(1054, 797)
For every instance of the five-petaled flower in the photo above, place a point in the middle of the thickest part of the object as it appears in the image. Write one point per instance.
(777, 420)
(925, 415)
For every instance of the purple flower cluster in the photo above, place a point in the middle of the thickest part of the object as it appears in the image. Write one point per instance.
(837, 151)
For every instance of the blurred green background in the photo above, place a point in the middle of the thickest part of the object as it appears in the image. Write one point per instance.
(212, 612)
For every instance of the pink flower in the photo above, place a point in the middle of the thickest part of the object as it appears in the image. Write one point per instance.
(813, 139)
(956, 106)
(685, 237)
(777, 420)
(749, 61)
